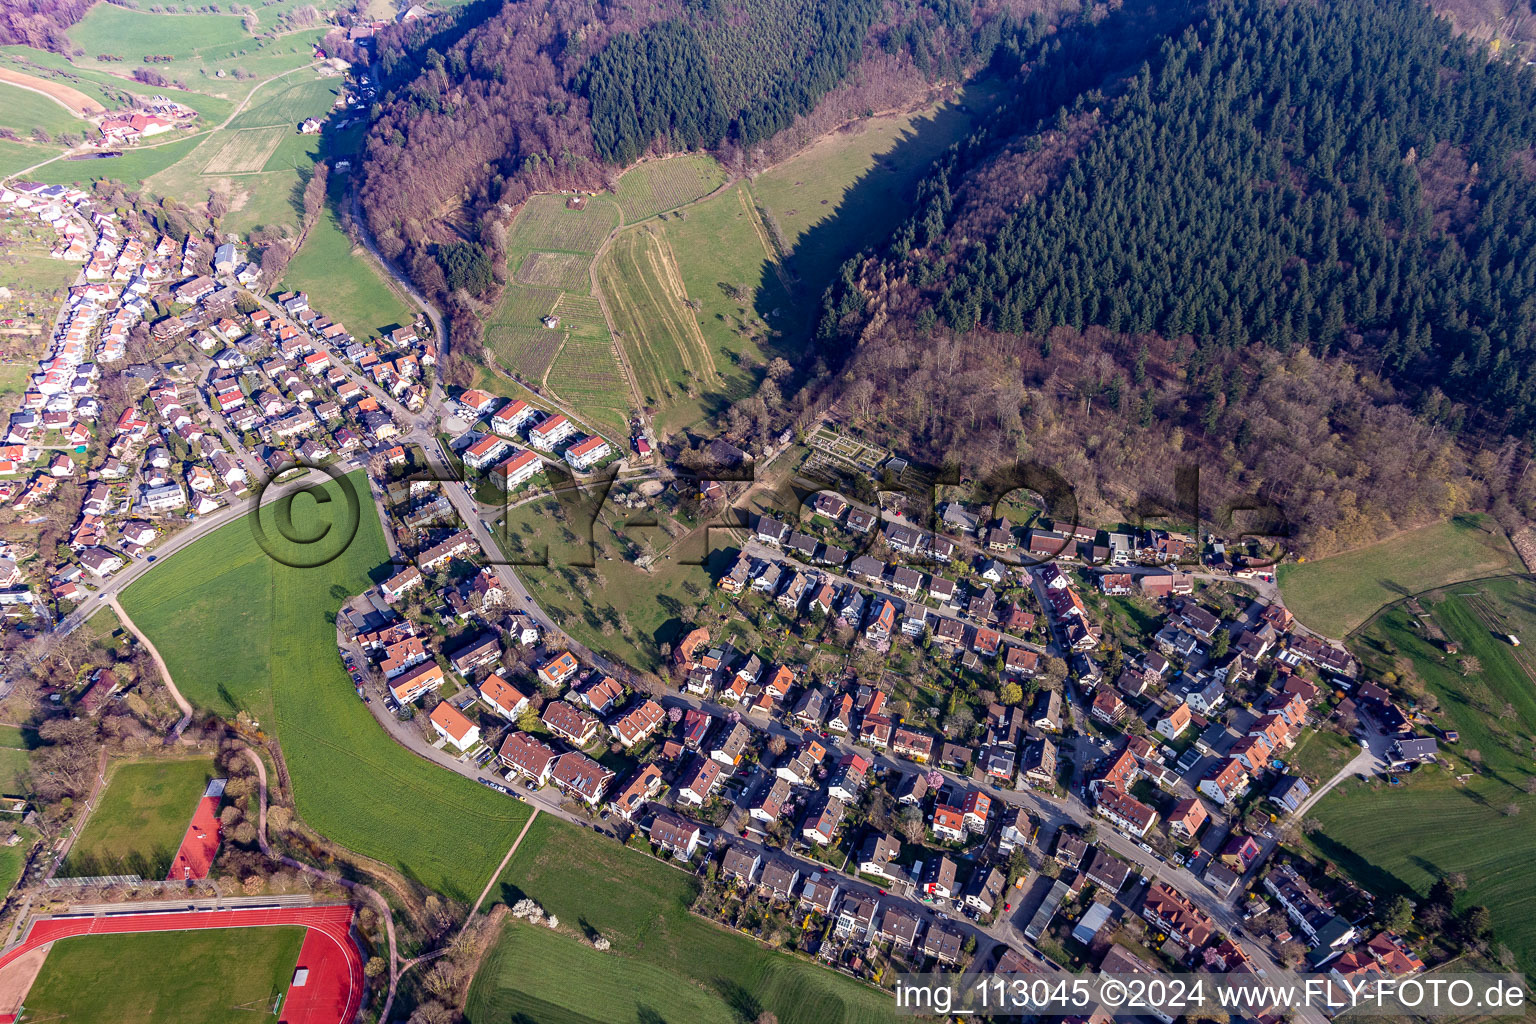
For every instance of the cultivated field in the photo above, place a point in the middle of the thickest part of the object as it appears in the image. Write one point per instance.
(219, 976)
(1336, 594)
(245, 152)
(657, 186)
(640, 906)
(277, 657)
(586, 375)
(140, 818)
(659, 333)
(1484, 827)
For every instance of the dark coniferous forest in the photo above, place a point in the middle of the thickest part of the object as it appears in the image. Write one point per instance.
(1293, 175)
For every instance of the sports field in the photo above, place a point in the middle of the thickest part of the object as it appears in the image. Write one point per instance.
(139, 819)
(657, 186)
(665, 964)
(1336, 594)
(1404, 837)
(659, 333)
(218, 976)
(277, 658)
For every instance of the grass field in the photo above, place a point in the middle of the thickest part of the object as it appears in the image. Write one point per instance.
(140, 818)
(343, 281)
(109, 90)
(659, 333)
(260, 162)
(1336, 594)
(854, 187)
(665, 964)
(1404, 837)
(526, 977)
(198, 45)
(22, 110)
(13, 860)
(13, 771)
(657, 186)
(1320, 754)
(132, 168)
(726, 264)
(277, 658)
(217, 976)
(654, 603)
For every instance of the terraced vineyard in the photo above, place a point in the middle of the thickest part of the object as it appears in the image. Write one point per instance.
(586, 375)
(660, 185)
(659, 332)
(555, 270)
(545, 224)
(526, 352)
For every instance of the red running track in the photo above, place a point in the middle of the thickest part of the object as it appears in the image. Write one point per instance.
(333, 992)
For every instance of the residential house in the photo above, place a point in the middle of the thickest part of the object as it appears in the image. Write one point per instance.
(674, 834)
(879, 855)
(579, 776)
(822, 820)
(1125, 811)
(570, 723)
(698, 782)
(645, 784)
(781, 877)
(1226, 783)
(1174, 913)
(939, 877)
(527, 757)
(1186, 818)
(741, 864)
(454, 727)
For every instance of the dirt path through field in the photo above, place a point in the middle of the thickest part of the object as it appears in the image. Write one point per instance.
(165, 672)
(72, 100)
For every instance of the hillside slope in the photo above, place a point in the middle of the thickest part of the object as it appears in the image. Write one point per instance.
(1296, 245)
